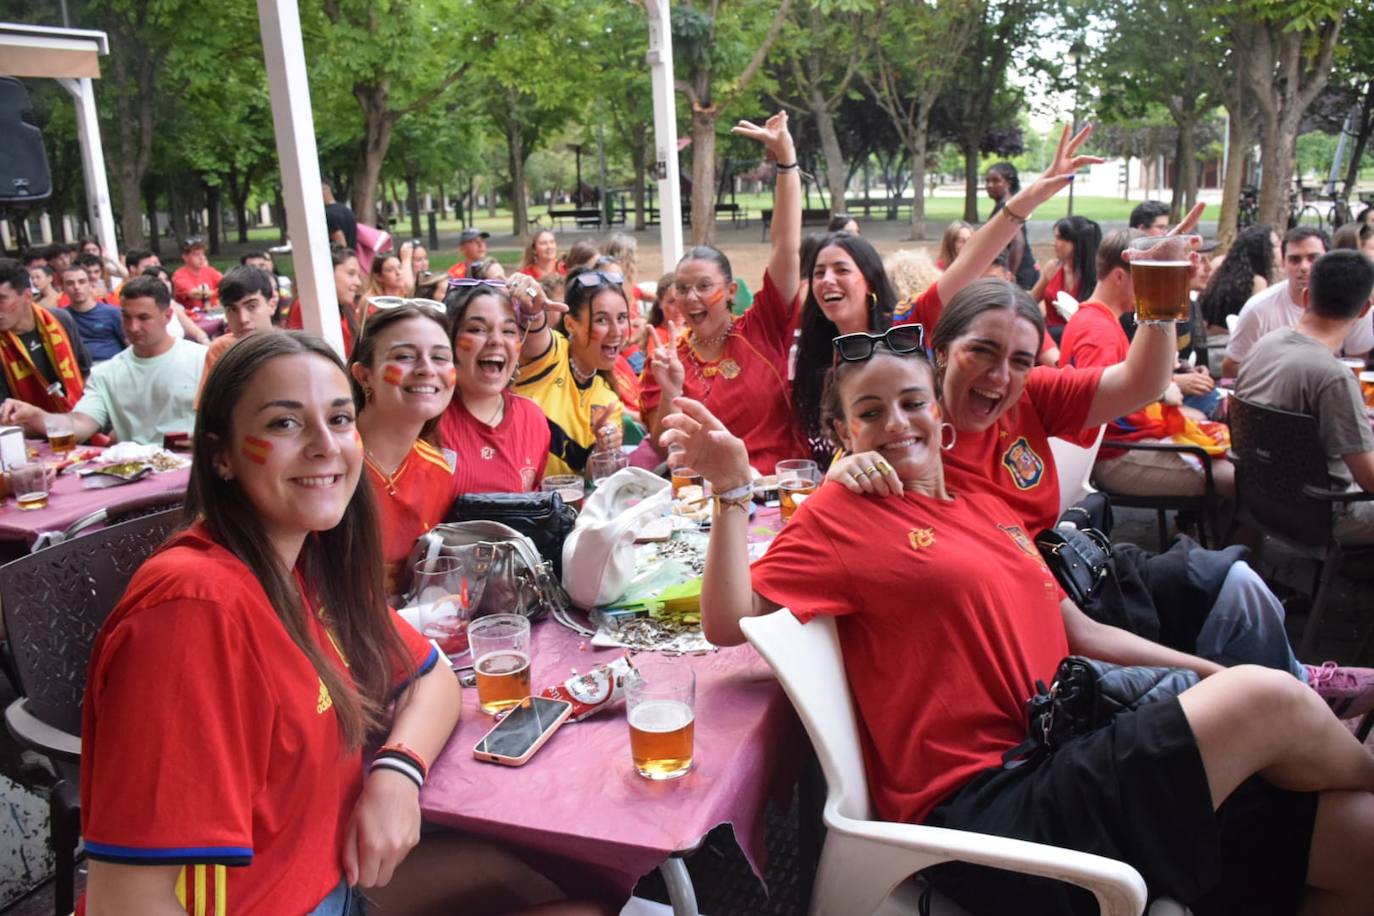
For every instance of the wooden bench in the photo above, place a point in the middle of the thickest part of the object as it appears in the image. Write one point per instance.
(893, 205)
(582, 216)
(811, 216)
(735, 211)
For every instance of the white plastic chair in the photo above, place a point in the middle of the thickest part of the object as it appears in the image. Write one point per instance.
(865, 863)
(1074, 465)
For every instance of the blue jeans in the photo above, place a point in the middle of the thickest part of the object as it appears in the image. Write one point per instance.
(1206, 404)
(1245, 626)
(341, 901)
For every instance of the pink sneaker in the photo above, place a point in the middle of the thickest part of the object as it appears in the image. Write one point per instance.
(1348, 691)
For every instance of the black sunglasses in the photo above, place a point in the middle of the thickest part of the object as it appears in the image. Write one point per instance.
(903, 338)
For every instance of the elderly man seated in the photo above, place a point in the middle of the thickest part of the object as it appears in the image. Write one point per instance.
(1094, 337)
(42, 358)
(143, 393)
(1296, 369)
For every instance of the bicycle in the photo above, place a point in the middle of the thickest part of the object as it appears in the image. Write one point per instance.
(1300, 212)
(1248, 213)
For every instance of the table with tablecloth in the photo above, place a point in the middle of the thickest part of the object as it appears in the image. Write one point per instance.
(578, 799)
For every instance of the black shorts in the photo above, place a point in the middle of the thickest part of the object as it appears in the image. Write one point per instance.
(1134, 790)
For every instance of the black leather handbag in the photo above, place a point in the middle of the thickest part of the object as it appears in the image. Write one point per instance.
(542, 517)
(1085, 695)
(1078, 557)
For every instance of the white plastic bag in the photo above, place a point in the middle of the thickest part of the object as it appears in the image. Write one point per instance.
(599, 555)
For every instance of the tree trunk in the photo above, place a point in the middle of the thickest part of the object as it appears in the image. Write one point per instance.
(703, 175)
(150, 207)
(515, 152)
(413, 202)
(367, 168)
(443, 203)
(836, 174)
(919, 140)
(1239, 143)
(213, 196)
(1366, 125)
(279, 216)
(971, 186)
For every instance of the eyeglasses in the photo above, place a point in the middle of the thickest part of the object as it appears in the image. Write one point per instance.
(463, 282)
(598, 277)
(904, 338)
(702, 289)
(385, 303)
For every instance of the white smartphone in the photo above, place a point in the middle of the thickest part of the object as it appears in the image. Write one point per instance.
(527, 725)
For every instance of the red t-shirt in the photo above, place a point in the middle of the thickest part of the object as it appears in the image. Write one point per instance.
(1053, 287)
(1094, 338)
(207, 738)
(947, 615)
(506, 458)
(184, 279)
(410, 502)
(627, 384)
(532, 270)
(924, 310)
(1013, 455)
(747, 387)
(294, 322)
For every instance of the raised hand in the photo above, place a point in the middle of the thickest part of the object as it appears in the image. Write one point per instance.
(1064, 166)
(707, 446)
(665, 366)
(774, 136)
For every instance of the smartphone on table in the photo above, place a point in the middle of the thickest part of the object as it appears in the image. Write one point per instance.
(522, 731)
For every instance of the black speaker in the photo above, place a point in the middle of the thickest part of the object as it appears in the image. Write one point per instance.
(24, 173)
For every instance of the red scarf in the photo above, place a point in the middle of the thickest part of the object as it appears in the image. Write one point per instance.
(25, 383)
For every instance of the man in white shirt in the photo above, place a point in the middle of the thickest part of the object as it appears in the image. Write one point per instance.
(144, 392)
(1280, 306)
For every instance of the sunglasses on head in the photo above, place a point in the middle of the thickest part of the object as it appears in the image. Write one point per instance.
(598, 277)
(904, 338)
(462, 282)
(384, 303)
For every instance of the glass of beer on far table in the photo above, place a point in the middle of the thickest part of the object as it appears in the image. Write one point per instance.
(797, 479)
(1159, 268)
(660, 699)
(501, 652)
(60, 431)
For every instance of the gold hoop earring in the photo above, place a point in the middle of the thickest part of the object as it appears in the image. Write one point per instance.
(368, 394)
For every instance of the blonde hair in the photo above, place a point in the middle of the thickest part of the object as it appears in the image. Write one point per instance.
(911, 272)
(947, 241)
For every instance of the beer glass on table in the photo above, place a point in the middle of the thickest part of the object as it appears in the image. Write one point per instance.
(60, 431)
(1160, 267)
(570, 487)
(798, 478)
(603, 463)
(501, 655)
(29, 483)
(443, 594)
(688, 484)
(660, 699)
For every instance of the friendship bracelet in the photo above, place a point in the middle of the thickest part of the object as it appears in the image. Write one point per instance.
(1013, 216)
(395, 748)
(737, 493)
(789, 167)
(400, 766)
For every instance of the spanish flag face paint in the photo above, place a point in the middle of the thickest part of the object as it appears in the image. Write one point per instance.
(450, 376)
(256, 450)
(392, 374)
(716, 298)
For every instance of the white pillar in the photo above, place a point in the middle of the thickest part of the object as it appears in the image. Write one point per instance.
(294, 123)
(98, 206)
(660, 59)
(45, 228)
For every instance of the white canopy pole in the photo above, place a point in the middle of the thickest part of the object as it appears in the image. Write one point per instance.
(93, 162)
(294, 123)
(665, 131)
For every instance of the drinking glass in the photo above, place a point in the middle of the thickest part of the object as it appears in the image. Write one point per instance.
(602, 464)
(1160, 266)
(445, 599)
(798, 478)
(688, 484)
(60, 431)
(660, 699)
(501, 652)
(569, 486)
(29, 483)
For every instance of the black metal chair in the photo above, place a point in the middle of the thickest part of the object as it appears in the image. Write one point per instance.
(54, 603)
(1206, 505)
(1283, 487)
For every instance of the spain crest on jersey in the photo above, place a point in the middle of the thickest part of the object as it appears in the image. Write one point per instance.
(1025, 465)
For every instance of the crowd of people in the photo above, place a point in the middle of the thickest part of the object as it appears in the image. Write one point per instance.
(927, 391)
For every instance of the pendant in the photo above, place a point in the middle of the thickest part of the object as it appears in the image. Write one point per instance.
(729, 368)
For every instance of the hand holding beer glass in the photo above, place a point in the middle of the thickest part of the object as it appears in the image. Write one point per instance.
(660, 699)
(798, 478)
(1160, 267)
(60, 431)
(501, 653)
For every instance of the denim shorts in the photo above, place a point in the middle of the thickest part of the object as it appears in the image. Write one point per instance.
(341, 901)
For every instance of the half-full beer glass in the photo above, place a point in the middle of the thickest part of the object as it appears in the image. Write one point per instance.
(660, 698)
(798, 478)
(1159, 269)
(501, 652)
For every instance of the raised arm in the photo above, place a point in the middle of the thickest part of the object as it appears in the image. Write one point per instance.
(987, 243)
(784, 264)
(727, 595)
(532, 309)
(408, 267)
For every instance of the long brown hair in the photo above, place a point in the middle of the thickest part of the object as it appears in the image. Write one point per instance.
(343, 566)
(365, 349)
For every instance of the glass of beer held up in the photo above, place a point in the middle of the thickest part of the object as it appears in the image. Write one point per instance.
(798, 478)
(660, 698)
(501, 648)
(1160, 267)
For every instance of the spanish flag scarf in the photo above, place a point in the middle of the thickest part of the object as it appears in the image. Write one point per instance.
(23, 378)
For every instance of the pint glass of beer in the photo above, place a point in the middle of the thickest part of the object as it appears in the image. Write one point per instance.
(571, 487)
(60, 431)
(798, 478)
(660, 699)
(501, 651)
(1159, 268)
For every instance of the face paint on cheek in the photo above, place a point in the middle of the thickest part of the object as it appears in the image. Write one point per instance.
(716, 298)
(256, 450)
(392, 374)
(450, 376)
(466, 344)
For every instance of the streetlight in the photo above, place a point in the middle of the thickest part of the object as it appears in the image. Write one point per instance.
(1076, 58)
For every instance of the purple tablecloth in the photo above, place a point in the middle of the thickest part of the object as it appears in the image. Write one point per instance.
(578, 799)
(210, 324)
(69, 501)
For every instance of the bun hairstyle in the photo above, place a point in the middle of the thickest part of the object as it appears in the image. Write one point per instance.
(981, 296)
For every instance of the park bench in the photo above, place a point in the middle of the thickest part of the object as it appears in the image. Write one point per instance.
(893, 205)
(582, 216)
(811, 216)
(735, 211)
